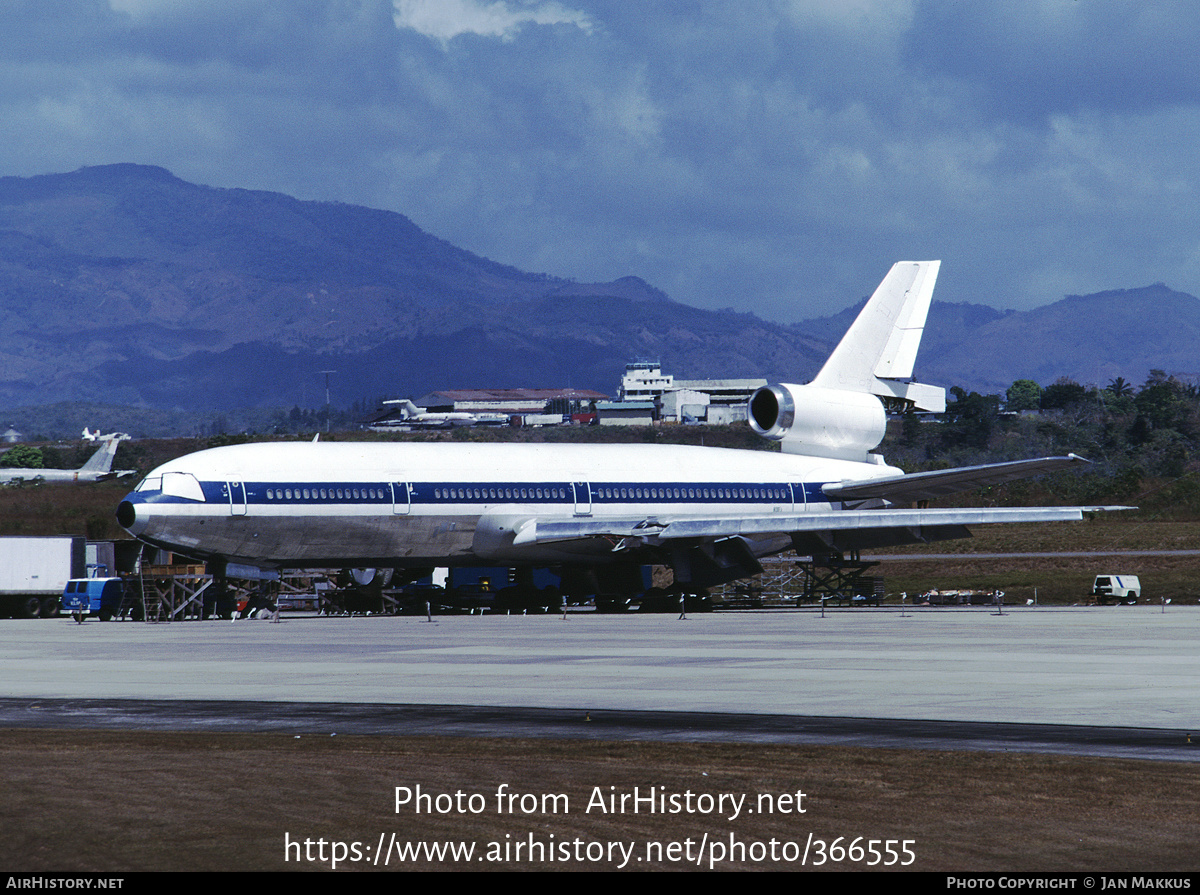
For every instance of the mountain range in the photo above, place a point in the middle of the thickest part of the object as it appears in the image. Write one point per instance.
(125, 284)
(1091, 339)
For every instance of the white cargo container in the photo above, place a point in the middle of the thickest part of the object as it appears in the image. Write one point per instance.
(34, 571)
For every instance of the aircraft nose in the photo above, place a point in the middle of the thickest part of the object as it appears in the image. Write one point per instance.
(129, 518)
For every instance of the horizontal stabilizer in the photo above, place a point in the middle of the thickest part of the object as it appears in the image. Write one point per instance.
(929, 485)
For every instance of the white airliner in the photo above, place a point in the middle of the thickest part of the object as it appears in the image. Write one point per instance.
(599, 512)
(96, 469)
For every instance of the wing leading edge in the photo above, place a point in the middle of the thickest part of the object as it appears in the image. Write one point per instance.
(663, 529)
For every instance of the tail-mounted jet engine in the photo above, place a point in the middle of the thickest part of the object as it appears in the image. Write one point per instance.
(839, 414)
(821, 422)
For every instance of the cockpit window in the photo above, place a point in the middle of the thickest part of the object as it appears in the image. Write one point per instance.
(151, 483)
(182, 484)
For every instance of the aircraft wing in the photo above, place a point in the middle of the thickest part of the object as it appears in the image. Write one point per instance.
(654, 530)
(928, 485)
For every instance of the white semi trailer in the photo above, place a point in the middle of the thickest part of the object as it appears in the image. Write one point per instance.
(34, 571)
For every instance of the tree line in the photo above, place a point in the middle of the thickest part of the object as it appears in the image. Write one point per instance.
(1138, 439)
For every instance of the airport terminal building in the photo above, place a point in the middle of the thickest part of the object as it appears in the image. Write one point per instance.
(711, 401)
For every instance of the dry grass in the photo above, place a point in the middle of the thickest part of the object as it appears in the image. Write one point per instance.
(84, 510)
(1115, 531)
(1065, 581)
(118, 802)
(1057, 579)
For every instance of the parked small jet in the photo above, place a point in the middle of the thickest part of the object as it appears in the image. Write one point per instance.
(598, 512)
(96, 469)
(413, 417)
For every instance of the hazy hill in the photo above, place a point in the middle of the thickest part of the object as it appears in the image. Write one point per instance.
(123, 283)
(1089, 338)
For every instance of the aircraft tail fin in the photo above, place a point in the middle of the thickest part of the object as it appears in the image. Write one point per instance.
(102, 460)
(877, 354)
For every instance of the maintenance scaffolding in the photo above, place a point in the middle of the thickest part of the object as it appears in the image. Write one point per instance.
(788, 580)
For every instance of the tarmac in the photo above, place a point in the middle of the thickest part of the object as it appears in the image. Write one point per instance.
(1096, 680)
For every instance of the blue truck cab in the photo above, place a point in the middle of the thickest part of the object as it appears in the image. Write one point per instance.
(95, 596)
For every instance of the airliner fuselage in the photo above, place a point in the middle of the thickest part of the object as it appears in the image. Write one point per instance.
(310, 504)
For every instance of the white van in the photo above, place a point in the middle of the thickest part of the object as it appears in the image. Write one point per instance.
(1121, 589)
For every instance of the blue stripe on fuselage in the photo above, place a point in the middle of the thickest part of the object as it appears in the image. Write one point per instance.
(489, 493)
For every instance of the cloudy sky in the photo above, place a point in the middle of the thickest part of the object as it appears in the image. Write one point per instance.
(775, 156)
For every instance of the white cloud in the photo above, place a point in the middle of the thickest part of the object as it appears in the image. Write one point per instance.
(166, 9)
(852, 15)
(134, 7)
(444, 20)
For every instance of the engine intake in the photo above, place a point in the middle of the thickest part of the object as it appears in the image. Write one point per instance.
(823, 422)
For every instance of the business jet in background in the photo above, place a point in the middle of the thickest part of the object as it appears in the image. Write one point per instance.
(599, 512)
